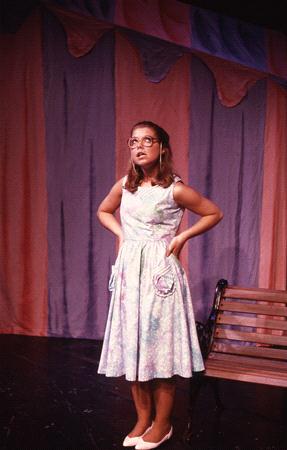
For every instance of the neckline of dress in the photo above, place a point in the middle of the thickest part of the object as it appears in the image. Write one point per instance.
(148, 186)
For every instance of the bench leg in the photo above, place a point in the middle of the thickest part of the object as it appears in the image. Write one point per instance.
(195, 385)
(218, 403)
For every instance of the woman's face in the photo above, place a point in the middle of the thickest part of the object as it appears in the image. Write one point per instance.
(145, 149)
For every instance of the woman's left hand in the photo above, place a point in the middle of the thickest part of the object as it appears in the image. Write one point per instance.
(175, 246)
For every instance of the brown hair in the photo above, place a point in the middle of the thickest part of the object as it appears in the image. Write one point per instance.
(165, 174)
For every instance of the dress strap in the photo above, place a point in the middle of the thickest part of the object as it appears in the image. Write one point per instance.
(177, 179)
(124, 181)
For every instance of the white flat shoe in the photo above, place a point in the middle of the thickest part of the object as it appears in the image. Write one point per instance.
(144, 445)
(132, 441)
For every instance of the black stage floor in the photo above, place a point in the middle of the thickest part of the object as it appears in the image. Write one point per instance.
(52, 398)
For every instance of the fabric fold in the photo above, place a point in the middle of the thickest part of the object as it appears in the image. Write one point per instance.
(228, 38)
(225, 165)
(157, 56)
(273, 232)
(80, 123)
(232, 80)
(165, 20)
(23, 194)
(83, 32)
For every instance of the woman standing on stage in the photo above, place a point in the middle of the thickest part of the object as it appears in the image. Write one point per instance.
(150, 334)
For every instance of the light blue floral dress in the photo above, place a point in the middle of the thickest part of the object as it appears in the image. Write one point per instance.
(150, 331)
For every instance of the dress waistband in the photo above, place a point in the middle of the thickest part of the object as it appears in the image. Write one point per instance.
(165, 240)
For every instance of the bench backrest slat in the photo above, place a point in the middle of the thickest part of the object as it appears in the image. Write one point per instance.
(250, 322)
(251, 337)
(255, 322)
(256, 351)
(256, 308)
(258, 363)
(259, 294)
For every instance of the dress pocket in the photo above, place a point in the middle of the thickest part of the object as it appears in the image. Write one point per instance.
(164, 282)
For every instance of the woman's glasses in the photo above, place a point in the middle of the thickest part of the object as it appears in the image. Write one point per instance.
(146, 141)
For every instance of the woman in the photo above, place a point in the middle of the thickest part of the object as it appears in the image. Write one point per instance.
(150, 334)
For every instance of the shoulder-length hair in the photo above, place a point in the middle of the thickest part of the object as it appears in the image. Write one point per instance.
(165, 175)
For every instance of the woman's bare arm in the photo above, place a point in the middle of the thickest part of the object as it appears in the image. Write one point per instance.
(108, 207)
(192, 200)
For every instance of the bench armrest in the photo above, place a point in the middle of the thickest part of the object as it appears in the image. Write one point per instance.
(205, 331)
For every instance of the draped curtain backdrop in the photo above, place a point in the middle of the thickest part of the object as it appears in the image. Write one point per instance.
(75, 77)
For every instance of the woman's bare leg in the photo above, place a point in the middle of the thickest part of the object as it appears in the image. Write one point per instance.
(142, 396)
(163, 395)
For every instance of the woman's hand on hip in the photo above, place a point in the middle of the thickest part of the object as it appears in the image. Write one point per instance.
(175, 246)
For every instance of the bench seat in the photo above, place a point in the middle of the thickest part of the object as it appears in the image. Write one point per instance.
(246, 368)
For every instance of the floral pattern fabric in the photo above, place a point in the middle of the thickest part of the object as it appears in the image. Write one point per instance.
(150, 331)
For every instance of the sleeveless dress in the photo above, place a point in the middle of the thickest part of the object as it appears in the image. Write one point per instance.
(150, 331)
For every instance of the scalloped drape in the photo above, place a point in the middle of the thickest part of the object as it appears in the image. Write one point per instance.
(72, 85)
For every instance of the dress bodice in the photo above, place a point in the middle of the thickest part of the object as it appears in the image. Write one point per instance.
(150, 213)
(151, 331)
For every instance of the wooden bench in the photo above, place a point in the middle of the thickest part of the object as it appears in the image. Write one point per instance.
(244, 339)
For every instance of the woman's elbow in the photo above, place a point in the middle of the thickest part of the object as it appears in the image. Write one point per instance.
(99, 213)
(102, 214)
(219, 215)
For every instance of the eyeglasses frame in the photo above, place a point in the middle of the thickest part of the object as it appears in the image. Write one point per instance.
(140, 142)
